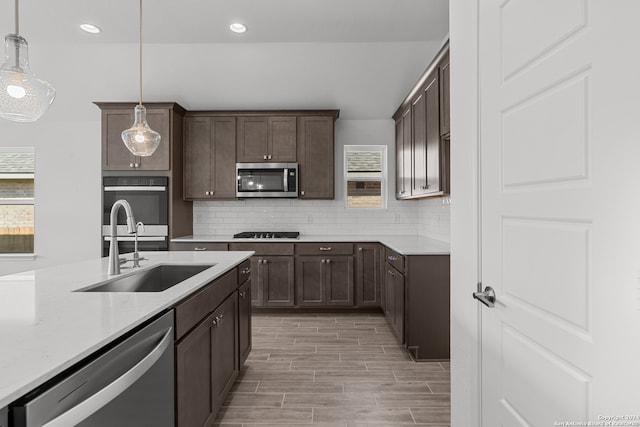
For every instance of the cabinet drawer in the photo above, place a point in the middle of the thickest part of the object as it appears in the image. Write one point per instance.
(196, 307)
(395, 259)
(324, 248)
(264, 248)
(244, 271)
(197, 246)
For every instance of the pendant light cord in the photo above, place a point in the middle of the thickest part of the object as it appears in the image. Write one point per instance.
(140, 52)
(17, 24)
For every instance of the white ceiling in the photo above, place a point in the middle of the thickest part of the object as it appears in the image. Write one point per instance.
(201, 21)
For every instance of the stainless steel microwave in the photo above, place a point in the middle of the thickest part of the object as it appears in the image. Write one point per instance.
(267, 180)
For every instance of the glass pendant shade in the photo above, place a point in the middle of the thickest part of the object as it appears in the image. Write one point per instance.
(23, 96)
(140, 139)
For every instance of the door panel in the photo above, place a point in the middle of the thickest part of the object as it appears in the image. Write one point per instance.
(551, 143)
(198, 157)
(252, 143)
(282, 139)
(310, 280)
(339, 280)
(277, 281)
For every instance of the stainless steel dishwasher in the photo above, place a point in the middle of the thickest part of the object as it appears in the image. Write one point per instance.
(128, 384)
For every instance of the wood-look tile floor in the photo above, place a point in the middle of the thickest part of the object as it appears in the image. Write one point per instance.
(334, 370)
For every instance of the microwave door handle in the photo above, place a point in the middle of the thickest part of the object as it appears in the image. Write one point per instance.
(286, 179)
(89, 406)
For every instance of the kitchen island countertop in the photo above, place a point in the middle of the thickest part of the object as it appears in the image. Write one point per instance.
(46, 328)
(403, 244)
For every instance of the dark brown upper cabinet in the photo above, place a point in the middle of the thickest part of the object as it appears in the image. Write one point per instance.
(164, 118)
(209, 164)
(443, 67)
(266, 139)
(422, 134)
(316, 155)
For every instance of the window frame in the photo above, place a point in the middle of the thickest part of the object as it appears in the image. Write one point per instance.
(383, 178)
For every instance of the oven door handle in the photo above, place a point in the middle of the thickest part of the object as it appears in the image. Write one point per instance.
(136, 188)
(140, 238)
(93, 404)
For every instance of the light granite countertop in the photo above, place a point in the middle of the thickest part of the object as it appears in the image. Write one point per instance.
(45, 327)
(403, 244)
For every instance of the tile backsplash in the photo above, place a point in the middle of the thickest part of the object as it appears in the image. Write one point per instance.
(318, 217)
(428, 217)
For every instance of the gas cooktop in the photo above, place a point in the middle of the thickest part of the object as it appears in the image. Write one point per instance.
(267, 235)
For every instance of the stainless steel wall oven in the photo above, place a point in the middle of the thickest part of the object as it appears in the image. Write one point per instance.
(149, 200)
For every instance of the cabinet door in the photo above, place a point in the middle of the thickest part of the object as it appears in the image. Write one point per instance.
(315, 157)
(419, 146)
(445, 128)
(252, 144)
(403, 157)
(282, 139)
(398, 311)
(368, 275)
(389, 295)
(198, 156)
(224, 350)
(257, 299)
(116, 156)
(432, 105)
(194, 400)
(276, 277)
(244, 322)
(310, 281)
(338, 276)
(223, 163)
(159, 119)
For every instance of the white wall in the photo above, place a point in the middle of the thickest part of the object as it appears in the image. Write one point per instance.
(366, 81)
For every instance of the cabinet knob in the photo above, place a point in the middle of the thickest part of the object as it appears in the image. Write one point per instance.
(136, 165)
(392, 258)
(328, 261)
(199, 249)
(269, 156)
(302, 193)
(246, 270)
(263, 261)
(130, 165)
(243, 294)
(360, 249)
(264, 157)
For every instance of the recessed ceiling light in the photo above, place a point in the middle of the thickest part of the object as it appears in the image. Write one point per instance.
(237, 27)
(89, 28)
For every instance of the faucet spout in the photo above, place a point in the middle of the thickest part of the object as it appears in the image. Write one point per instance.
(114, 255)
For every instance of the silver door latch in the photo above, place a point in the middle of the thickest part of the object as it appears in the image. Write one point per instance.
(487, 297)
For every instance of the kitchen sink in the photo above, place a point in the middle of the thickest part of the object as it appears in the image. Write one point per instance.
(156, 279)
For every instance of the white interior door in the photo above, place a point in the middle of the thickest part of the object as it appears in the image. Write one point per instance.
(560, 162)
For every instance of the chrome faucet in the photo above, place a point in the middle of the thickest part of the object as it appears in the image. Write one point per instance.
(114, 255)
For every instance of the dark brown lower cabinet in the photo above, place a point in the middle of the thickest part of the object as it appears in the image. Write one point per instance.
(194, 399)
(427, 307)
(368, 274)
(224, 353)
(394, 300)
(275, 281)
(325, 281)
(213, 339)
(244, 321)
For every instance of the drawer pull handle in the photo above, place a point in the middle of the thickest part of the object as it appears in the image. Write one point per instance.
(392, 258)
(325, 248)
(246, 270)
(243, 294)
(199, 249)
(391, 272)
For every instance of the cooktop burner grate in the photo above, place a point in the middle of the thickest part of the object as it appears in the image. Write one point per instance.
(267, 235)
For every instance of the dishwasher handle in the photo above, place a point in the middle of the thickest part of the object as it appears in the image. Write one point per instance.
(93, 404)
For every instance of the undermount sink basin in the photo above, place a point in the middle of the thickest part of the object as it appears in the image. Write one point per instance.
(156, 279)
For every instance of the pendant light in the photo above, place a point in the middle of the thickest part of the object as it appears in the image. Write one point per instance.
(140, 139)
(23, 96)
